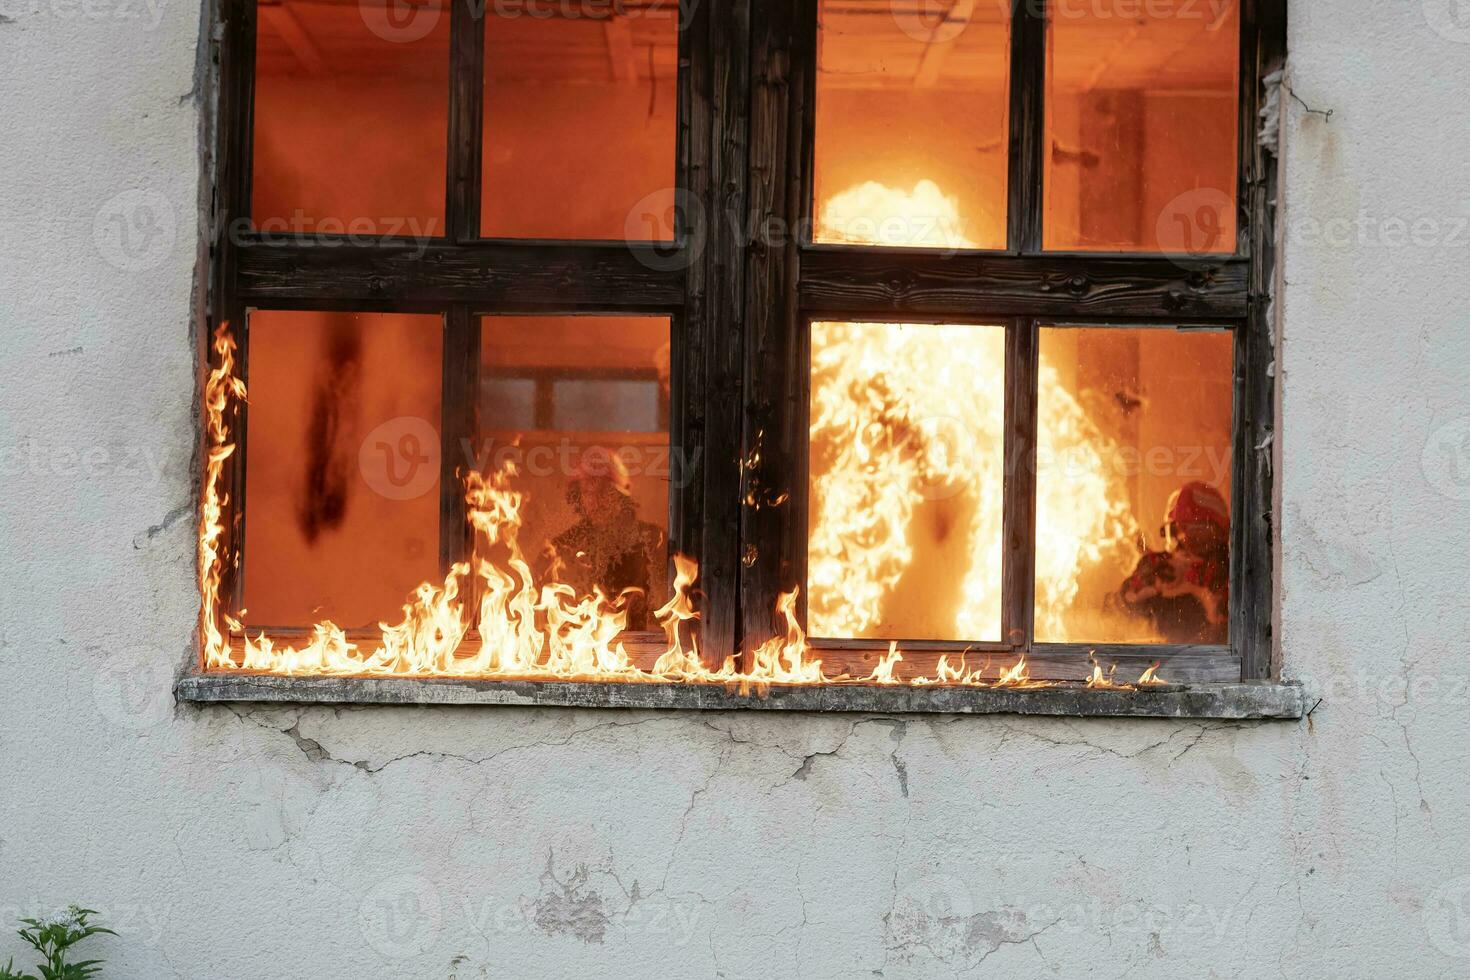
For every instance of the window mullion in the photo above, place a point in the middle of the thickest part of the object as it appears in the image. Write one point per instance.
(1027, 126)
(782, 56)
(457, 429)
(714, 41)
(1252, 559)
(466, 119)
(1018, 531)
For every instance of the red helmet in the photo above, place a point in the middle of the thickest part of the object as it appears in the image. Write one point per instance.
(1198, 519)
(1199, 503)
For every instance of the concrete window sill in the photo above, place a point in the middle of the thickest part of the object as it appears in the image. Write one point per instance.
(1255, 700)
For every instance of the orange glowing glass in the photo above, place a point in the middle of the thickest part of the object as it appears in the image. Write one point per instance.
(580, 100)
(1141, 125)
(912, 99)
(351, 116)
(1133, 486)
(342, 469)
(905, 481)
(579, 405)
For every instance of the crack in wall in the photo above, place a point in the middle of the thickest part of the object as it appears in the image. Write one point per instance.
(315, 751)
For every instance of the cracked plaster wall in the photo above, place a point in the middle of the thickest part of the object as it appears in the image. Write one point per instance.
(361, 842)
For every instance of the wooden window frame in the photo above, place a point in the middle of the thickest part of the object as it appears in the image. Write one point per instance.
(740, 297)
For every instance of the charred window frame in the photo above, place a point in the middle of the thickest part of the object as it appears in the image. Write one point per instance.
(460, 276)
(1023, 287)
(741, 294)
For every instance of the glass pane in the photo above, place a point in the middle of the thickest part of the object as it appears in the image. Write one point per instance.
(1141, 125)
(905, 481)
(579, 120)
(510, 401)
(341, 466)
(911, 123)
(1133, 486)
(619, 406)
(594, 464)
(351, 110)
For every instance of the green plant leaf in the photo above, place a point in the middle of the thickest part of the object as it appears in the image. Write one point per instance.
(8, 973)
(52, 938)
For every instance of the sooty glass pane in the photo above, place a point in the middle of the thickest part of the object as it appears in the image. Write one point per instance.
(342, 466)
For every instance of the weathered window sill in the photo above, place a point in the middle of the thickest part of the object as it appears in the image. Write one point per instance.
(1259, 700)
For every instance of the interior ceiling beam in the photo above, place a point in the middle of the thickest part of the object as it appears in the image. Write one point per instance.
(282, 20)
(942, 42)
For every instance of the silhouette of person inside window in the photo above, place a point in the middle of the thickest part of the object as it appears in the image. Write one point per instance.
(609, 548)
(1184, 590)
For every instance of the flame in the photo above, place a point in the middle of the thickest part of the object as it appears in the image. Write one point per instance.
(883, 673)
(883, 402)
(1101, 680)
(1150, 677)
(219, 386)
(1015, 677)
(906, 414)
(523, 631)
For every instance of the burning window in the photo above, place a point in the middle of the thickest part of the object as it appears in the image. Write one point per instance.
(906, 476)
(614, 364)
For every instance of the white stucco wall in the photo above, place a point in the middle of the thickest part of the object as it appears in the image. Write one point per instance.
(520, 843)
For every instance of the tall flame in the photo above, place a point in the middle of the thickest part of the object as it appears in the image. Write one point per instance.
(220, 385)
(908, 413)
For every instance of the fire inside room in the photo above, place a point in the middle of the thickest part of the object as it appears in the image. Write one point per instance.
(327, 427)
